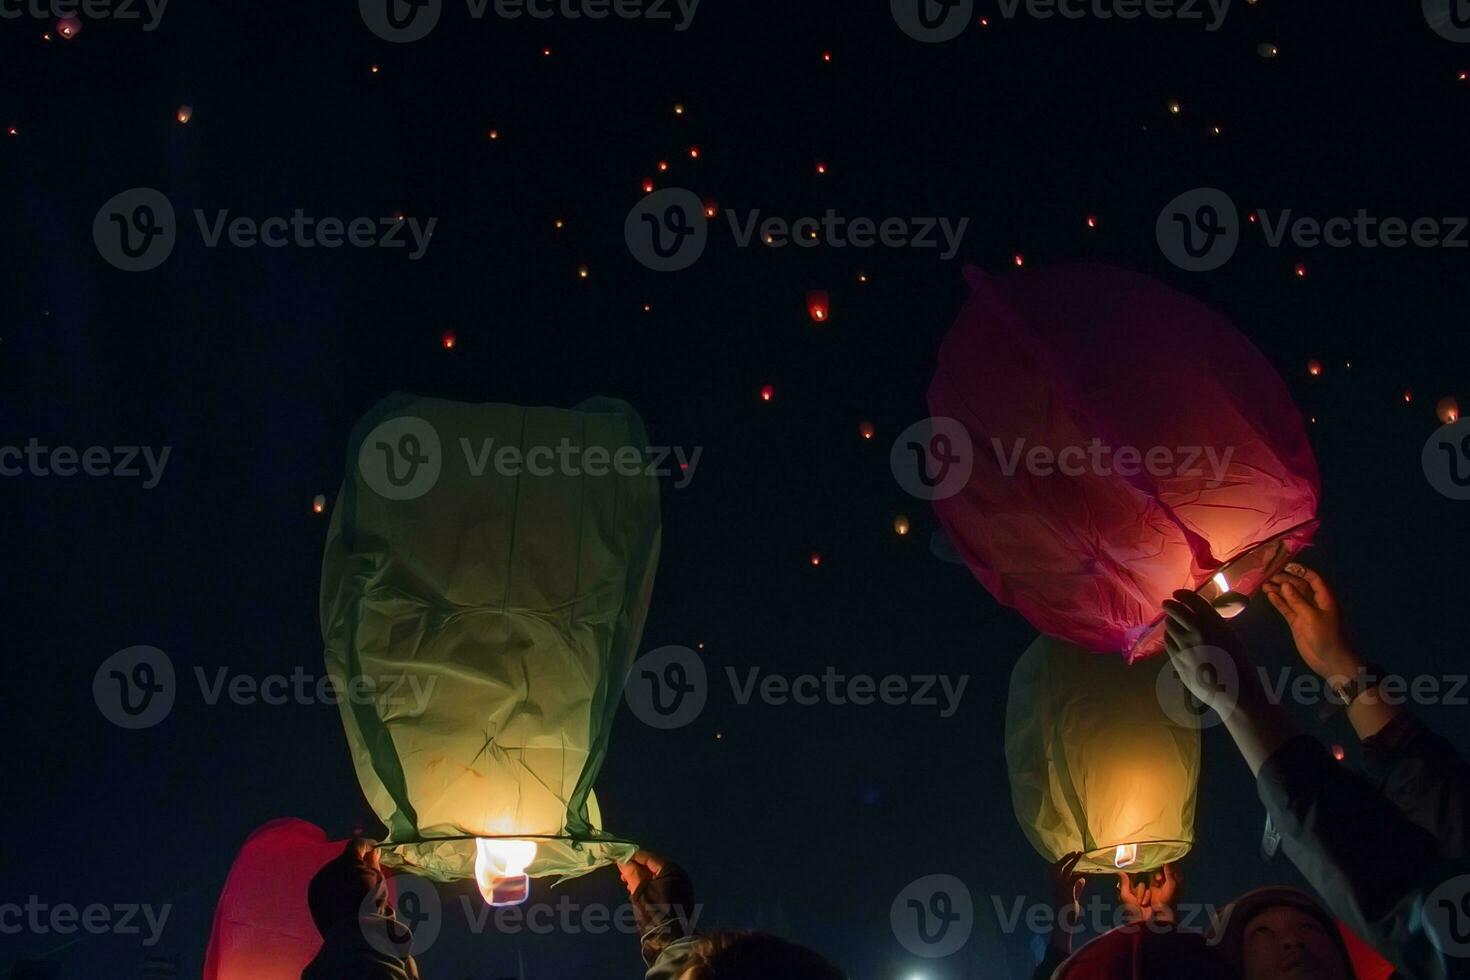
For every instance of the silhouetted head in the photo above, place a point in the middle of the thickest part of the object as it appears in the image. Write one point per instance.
(340, 891)
(1282, 934)
(756, 956)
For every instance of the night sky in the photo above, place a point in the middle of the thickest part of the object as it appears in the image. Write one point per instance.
(253, 363)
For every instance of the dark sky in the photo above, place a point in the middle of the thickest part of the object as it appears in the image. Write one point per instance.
(252, 365)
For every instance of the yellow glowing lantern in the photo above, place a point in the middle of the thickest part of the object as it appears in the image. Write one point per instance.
(1448, 410)
(185, 113)
(901, 525)
(1096, 764)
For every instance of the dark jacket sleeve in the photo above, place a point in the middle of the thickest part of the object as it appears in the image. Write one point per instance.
(665, 912)
(1377, 871)
(1425, 777)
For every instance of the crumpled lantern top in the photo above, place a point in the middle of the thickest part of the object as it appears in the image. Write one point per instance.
(487, 575)
(1121, 366)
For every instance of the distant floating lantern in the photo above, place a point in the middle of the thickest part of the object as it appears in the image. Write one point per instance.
(862, 277)
(185, 113)
(494, 134)
(648, 185)
(546, 52)
(582, 272)
(767, 393)
(1339, 753)
(1301, 270)
(1408, 395)
(866, 430)
(711, 208)
(678, 108)
(821, 168)
(901, 525)
(560, 224)
(1267, 50)
(1448, 410)
(818, 306)
(694, 153)
(68, 28)
(663, 166)
(647, 307)
(1018, 259)
(1314, 368)
(319, 503)
(816, 558)
(373, 69)
(448, 340)
(1092, 221)
(1174, 107)
(1216, 131)
(827, 56)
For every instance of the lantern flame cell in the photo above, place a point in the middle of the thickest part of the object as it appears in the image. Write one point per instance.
(1125, 855)
(500, 870)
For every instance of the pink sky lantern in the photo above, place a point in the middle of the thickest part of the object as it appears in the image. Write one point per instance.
(1126, 441)
(262, 925)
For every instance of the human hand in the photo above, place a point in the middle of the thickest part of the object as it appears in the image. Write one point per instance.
(1309, 608)
(1067, 884)
(1204, 651)
(640, 869)
(1151, 895)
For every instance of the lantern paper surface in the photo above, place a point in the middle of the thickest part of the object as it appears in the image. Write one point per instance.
(262, 925)
(512, 599)
(1126, 441)
(1095, 763)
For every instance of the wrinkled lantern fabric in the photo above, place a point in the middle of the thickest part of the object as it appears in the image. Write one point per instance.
(1121, 367)
(262, 924)
(1094, 761)
(498, 612)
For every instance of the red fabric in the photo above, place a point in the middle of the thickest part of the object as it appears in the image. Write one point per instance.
(262, 926)
(1060, 357)
(1367, 963)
